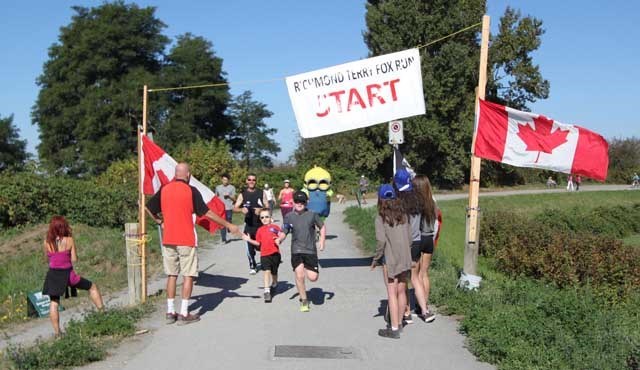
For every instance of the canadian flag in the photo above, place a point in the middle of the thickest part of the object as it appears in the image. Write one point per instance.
(525, 139)
(159, 169)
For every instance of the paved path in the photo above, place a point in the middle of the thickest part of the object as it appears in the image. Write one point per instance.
(239, 331)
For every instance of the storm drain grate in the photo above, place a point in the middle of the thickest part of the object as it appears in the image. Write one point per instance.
(315, 352)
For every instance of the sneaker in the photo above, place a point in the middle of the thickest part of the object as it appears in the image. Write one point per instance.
(252, 271)
(427, 317)
(407, 319)
(267, 297)
(189, 319)
(304, 306)
(171, 318)
(389, 333)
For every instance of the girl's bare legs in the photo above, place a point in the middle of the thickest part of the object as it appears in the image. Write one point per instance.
(395, 312)
(54, 316)
(402, 296)
(418, 285)
(95, 296)
(425, 262)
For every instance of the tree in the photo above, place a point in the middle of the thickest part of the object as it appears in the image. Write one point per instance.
(251, 136)
(624, 159)
(515, 81)
(349, 150)
(12, 149)
(208, 159)
(439, 142)
(192, 113)
(88, 106)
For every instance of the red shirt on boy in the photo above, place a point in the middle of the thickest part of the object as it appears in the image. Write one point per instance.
(266, 236)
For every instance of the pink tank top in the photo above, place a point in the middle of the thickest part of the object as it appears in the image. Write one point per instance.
(62, 260)
(287, 200)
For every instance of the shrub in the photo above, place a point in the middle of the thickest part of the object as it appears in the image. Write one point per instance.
(614, 221)
(559, 246)
(31, 198)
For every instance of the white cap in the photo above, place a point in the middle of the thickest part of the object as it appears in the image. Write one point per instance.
(266, 185)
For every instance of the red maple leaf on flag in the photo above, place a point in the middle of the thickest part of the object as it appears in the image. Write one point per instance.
(541, 139)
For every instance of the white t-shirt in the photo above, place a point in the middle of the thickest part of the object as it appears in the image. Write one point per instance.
(269, 194)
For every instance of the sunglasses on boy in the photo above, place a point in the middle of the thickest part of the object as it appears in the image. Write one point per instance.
(252, 180)
(264, 217)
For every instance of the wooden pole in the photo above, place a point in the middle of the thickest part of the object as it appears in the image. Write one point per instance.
(134, 275)
(141, 201)
(471, 237)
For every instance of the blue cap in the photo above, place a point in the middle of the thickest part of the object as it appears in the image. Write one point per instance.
(402, 178)
(386, 192)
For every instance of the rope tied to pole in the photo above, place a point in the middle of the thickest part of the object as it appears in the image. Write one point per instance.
(279, 79)
(133, 244)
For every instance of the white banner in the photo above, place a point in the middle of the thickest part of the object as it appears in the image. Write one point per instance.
(357, 94)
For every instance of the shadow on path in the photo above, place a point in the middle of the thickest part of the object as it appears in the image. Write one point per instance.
(283, 287)
(345, 262)
(382, 308)
(208, 302)
(317, 296)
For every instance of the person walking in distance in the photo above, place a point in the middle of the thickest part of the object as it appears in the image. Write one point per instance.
(250, 202)
(302, 224)
(177, 202)
(270, 258)
(570, 183)
(227, 193)
(60, 249)
(578, 182)
(268, 194)
(286, 199)
(363, 186)
(393, 236)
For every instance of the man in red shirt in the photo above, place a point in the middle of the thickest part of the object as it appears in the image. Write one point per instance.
(179, 203)
(270, 258)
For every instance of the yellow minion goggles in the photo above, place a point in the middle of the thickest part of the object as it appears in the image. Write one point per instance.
(323, 185)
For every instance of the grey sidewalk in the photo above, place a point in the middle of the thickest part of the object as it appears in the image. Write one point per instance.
(239, 331)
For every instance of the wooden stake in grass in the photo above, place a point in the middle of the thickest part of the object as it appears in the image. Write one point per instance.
(471, 247)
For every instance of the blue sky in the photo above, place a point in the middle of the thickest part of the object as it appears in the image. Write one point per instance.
(589, 53)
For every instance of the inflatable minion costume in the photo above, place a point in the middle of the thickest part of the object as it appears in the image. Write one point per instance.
(317, 186)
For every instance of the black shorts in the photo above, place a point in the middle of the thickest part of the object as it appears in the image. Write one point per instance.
(424, 245)
(83, 284)
(271, 262)
(310, 261)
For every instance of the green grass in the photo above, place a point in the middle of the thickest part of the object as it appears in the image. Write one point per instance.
(83, 342)
(523, 323)
(632, 240)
